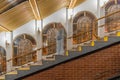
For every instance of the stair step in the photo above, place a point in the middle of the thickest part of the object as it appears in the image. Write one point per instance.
(2, 77)
(12, 73)
(49, 57)
(113, 34)
(24, 68)
(35, 68)
(46, 62)
(37, 63)
(60, 56)
(74, 49)
(101, 39)
(87, 44)
(105, 39)
(112, 40)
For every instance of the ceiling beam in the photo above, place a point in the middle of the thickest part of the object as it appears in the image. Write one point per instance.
(35, 9)
(72, 3)
(4, 28)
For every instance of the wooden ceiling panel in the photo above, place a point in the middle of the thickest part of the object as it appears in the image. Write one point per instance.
(47, 7)
(2, 29)
(4, 4)
(8, 4)
(79, 2)
(16, 13)
(17, 16)
(74, 3)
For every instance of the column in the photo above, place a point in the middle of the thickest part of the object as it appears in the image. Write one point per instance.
(39, 39)
(9, 50)
(100, 11)
(69, 13)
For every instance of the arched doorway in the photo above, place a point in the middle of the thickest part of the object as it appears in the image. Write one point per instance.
(112, 22)
(2, 59)
(49, 38)
(22, 45)
(83, 27)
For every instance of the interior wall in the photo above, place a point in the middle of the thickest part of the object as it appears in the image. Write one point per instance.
(28, 28)
(58, 16)
(2, 39)
(101, 30)
(94, 6)
(103, 2)
(6, 43)
(88, 5)
(31, 28)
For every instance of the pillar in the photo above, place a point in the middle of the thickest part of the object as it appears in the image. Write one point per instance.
(39, 39)
(9, 50)
(100, 13)
(69, 28)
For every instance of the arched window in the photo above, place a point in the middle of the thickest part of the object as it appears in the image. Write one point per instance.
(23, 45)
(83, 27)
(112, 22)
(2, 59)
(49, 38)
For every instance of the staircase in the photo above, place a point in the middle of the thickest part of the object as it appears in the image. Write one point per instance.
(70, 55)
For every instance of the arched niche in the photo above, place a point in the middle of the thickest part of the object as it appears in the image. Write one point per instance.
(49, 38)
(84, 27)
(112, 22)
(23, 45)
(2, 59)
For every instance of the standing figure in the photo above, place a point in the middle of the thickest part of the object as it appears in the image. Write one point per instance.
(60, 41)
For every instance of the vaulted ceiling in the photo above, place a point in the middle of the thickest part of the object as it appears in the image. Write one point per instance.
(14, 13)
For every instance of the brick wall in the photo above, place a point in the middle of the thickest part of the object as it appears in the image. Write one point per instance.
(98, 66)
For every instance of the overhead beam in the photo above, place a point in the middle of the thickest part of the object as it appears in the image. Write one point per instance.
(72, 3)
(4, 28)
(35, 9)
